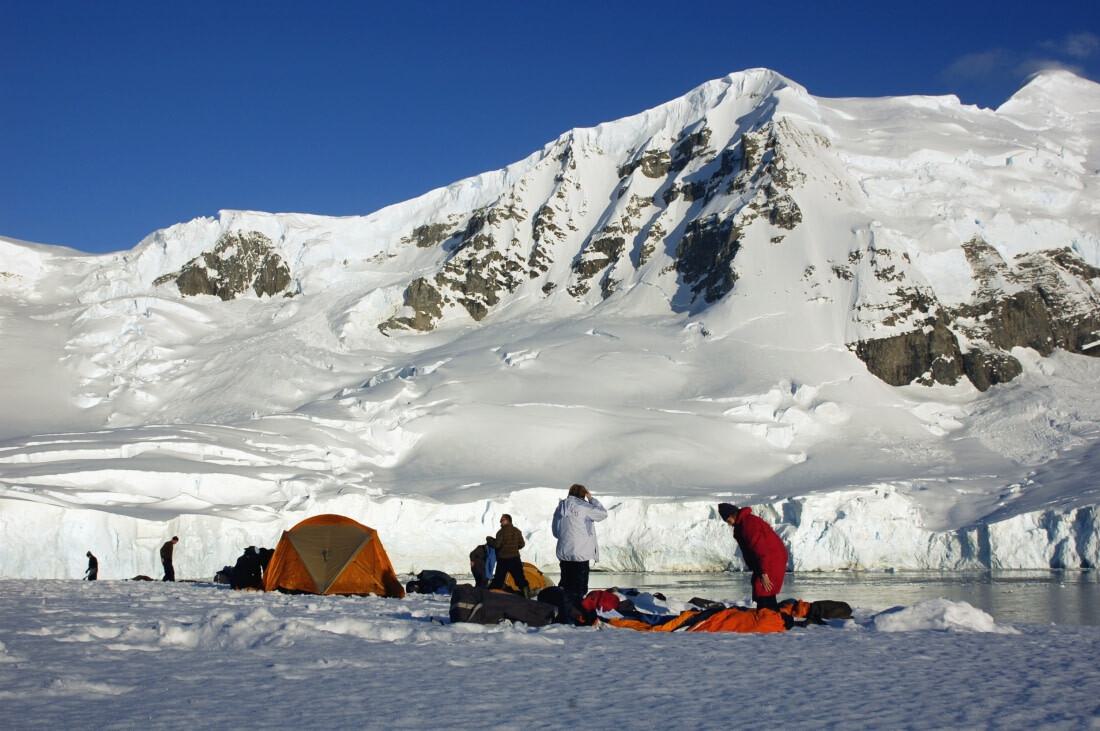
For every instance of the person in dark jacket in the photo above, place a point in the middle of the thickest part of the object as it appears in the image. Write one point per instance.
(166, 558)
(507, 543)
(247, 571)
(92, 572)
(763, 551)
(478, 557)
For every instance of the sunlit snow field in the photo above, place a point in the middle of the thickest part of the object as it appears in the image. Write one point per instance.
(121, 654)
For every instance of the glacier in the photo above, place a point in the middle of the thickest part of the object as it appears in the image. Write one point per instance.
(665, 308)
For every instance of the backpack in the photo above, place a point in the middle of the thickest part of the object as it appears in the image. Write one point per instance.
(568, 611)
(826, 609)
(431, 582)
(481, 606)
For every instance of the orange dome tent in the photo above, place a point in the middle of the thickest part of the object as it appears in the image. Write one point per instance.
(331, 554)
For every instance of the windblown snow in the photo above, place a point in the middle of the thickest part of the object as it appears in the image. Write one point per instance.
(664, 308)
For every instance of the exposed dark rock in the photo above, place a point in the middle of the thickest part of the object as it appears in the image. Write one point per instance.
(654, 235)
(927, 355)
(752, 149)
(426, 303)
(1054, 305)
(544, 232)
(653, 163)
(1044, 300)
(689, 191)
(704, 256)
(689, 147)
(599, 255)
(987, 368)
(1071, 262)
(608, 286)
(782, 210)
(430, 234)
(658, 163)
(480, 282)
(990, 269)
(239, 261)
(1022, 319)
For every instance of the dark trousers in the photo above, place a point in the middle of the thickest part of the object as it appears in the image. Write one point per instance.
(507, 566)
(765, 602)
(574, 578)
(169, 571)
(477, 568)
(92, 574)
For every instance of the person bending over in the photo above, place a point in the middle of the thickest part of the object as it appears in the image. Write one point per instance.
(763, 551)
(92, 572)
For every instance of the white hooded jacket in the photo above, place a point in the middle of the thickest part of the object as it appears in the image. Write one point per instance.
(574, 529)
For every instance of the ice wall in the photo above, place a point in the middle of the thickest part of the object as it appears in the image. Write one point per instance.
(876, 528)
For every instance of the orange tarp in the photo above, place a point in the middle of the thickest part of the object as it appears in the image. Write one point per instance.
(758, 621)
(332, 554)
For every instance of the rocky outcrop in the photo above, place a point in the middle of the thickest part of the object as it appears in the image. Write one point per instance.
(986, 367)
(479, 270)
(1042, 300)
(239, 261)
(607, 247)
(658, 163)
(762, 183)
(433, 234)
(426, 304)
(927, 356)
(705, 254)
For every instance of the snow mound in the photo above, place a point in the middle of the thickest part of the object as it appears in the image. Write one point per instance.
(222, 629)
(937, 614)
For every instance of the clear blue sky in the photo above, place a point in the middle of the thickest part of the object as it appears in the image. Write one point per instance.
(118, 118)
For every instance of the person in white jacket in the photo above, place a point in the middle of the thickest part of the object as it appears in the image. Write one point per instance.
(574, 528)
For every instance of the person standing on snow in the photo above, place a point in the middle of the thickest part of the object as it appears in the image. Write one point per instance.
(166, 558)
(573, 526)
(479, 558)
(507, 543)
(92, 572)
(763, 551)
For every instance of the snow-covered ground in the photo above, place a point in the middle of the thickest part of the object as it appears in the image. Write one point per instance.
(115, 654)
(130, 412)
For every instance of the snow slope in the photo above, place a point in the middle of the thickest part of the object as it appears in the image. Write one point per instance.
(150, 655)
(664, 307)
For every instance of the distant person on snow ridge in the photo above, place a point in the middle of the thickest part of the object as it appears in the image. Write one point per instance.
(92, 572)
(763, 551)
(166, 558)
(507, 543)
(573, 526)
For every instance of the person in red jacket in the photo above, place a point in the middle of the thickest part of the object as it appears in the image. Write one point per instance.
(763, 551)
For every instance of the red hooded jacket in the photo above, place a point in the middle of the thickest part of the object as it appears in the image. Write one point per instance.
(762, 549)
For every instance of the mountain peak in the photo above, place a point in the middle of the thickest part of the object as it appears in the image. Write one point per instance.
(1054, 89)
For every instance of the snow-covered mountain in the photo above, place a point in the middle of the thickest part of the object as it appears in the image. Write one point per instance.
(873, 318)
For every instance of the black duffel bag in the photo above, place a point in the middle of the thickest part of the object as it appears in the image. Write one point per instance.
(826, 609)
(481, 606)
